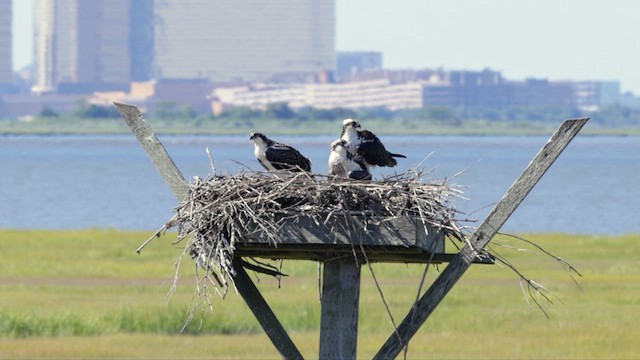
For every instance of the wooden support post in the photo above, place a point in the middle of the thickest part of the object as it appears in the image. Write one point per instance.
(485, 232)
(180, 188)
(339, 314)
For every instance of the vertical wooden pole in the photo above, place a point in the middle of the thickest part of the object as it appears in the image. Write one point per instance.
(339, 317)
(485, 232)
(172, 175)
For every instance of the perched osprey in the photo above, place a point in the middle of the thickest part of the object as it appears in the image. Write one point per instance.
(275, 156)
(367, 145)
(342, 163)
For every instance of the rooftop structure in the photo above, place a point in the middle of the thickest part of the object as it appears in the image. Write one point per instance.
(356, 62)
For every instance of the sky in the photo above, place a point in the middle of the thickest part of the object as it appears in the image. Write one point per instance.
(553, 39)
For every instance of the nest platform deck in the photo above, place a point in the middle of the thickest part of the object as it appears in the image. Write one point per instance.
(400, 240)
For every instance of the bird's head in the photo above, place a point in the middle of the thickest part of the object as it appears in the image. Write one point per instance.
(337, 144)
(339, 147)
(347, 123)
(258, 137)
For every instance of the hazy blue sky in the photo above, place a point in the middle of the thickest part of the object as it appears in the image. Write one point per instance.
(555, 39)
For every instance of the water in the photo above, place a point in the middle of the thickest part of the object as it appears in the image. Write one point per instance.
(71, 182)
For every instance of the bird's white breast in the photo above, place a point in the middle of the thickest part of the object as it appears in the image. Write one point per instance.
(336, 164)
(260, 152)
(351, 138)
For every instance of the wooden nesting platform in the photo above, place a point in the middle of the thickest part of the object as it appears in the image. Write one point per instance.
(402, 240)
(406, 240)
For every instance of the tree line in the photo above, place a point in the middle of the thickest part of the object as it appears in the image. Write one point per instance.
(614, 115)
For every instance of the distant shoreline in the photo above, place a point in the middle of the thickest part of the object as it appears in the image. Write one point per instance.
(612, 133)
(303, 128)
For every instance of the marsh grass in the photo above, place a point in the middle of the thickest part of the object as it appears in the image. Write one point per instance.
(88, 294)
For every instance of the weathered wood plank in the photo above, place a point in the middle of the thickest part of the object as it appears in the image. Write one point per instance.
(399, 232)
(172, 175)
(326, 252)
(264, 314)
(155, 150)
(339, 314)
(485, 232)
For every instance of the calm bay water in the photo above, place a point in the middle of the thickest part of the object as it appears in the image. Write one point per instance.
(71, 182)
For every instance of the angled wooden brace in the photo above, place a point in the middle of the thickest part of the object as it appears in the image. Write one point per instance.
(247, 289)
(485, 232)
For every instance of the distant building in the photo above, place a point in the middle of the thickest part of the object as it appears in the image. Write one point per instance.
(467, 88)
(6, 68)
(541, 92)
(591, 95)
(354, 95)
(193, 93)
(30, 104)
(369, 94)
(81, 46)
(395, 76)
(243, 40)
(356, 62)
(406, 89)
(478, 88)
(629, 99)
(103, 45)
(142, 39)
(489, 89)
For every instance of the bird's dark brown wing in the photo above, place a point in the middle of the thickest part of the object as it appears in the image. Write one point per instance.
(284, 157)
(373, 151)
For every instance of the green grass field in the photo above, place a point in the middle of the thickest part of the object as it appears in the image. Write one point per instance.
(87, 294)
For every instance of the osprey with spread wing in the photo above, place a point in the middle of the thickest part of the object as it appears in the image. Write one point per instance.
(367, 145)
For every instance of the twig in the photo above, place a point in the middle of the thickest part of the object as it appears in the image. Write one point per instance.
(213, 166)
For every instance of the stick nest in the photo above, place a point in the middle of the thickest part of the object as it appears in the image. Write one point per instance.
(221, 210)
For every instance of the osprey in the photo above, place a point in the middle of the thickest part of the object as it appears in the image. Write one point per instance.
(367, 145)
(342, 163)
(275, 156)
